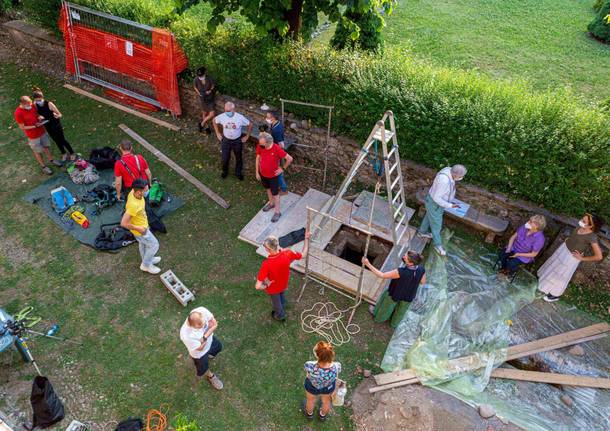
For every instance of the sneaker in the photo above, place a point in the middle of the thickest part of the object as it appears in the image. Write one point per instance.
(215, 382)
(152, 269)
(208, 131)
(156, 260)
(424, 235)
(276, 217)
(268, 207)
(321, 416)
(304, 410)
(440, 250)
(550, 298)
(223, 175)
(56, 163)
(277, 318)
(283, 192)
(47, 170)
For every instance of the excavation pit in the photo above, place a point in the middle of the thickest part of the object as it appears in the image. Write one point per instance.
(349, 244)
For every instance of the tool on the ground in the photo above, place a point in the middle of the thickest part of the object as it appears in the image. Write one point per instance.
(176, 287)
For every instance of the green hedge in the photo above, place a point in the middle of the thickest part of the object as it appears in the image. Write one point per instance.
(544, 147)
(600, 26)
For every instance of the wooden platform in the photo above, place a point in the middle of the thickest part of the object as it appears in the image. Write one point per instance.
(474, 218)
(323, 265)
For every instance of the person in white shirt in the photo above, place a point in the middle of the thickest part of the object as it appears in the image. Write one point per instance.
(440, 196)
(197, 334)
(231, 139)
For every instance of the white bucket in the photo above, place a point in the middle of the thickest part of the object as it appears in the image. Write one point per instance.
(339, 394)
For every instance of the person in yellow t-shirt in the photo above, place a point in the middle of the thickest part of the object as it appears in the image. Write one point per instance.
(136, 221)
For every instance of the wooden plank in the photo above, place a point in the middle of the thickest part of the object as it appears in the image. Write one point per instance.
(260, 225)
(162, 157)
(514, 352)
(552, 378)
(122, 108)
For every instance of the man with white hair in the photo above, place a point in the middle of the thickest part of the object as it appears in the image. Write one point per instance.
(231, 139)
(197, 334)
(440, 196)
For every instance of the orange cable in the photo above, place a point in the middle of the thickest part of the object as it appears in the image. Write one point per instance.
(155, 421)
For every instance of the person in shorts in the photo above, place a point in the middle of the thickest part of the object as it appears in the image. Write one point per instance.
(205, 87)
(320, 380)
(276, 129)
(269, 156)
(197, 334)
(31, 123)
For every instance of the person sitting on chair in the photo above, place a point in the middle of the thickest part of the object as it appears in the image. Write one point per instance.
(394, 302)
(523, 246)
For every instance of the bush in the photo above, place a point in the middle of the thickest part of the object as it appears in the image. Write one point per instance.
(545, 147)
(600, 26)
(598, 5)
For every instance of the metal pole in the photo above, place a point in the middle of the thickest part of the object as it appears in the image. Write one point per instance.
(307, 229)
(330, 113)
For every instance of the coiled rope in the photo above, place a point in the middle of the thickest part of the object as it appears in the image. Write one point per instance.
(156, 421)
(326, 320)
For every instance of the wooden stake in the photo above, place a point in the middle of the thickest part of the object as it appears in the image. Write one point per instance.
(169, 162)
(122, 108)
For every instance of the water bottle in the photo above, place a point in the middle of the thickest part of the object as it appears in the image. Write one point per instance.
(53, 330)
(339, 395)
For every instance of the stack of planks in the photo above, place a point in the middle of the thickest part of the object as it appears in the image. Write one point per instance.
(471, 363)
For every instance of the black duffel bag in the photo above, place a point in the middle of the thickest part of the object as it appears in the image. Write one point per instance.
(104, 158)
(113, 237)
(131, 424)
(46, 405)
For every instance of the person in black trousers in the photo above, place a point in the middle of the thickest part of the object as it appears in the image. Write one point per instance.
(51, 116)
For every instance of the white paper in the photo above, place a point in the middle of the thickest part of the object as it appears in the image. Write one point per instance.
(461, 211)
(75, 15)
(129, 48)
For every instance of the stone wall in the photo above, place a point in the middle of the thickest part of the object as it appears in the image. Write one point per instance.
(46, 52)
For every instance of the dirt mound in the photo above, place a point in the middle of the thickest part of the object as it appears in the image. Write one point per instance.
(417, 408)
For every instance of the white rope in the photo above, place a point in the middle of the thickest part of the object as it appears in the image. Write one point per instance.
(326, 320)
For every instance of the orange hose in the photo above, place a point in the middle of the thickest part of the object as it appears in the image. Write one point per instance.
(155, 421)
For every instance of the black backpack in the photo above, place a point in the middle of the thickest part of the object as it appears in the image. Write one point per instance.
(46, 405)
(113, 237)
(104, 158)
(102, 196)
(131, 424)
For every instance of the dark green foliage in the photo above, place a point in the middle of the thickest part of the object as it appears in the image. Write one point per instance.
(598, 5)
(45, 12)
(600, 26)
(358, 31)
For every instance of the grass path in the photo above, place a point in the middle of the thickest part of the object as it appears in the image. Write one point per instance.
(133, 359)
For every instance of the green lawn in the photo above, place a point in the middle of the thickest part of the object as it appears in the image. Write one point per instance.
(544, 41)
(132, 358)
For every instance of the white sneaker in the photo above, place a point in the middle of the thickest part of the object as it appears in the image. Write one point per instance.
(424, 235)
(152, 269)
(440, 250)
(156, 260)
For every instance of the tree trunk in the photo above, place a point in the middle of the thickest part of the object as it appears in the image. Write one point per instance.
(293, 16)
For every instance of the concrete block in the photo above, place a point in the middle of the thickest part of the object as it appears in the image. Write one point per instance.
(176, 287)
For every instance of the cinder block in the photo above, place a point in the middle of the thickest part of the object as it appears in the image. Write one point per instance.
(176, 287)
(77, 426)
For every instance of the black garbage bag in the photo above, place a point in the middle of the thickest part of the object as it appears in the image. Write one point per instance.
(46, 405)
(113, 237)
(292, 238)
(131, 424)
(104, 158)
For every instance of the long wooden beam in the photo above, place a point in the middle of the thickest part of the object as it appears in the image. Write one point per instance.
(169, 162)
(470, 363)
(122, 108)
(553, 378)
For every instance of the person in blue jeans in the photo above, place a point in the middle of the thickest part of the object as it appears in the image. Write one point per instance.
(440, 197)
(321, 380)
(276, 129)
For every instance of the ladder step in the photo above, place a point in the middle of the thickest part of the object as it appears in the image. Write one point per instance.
(392, 168)
(400, 207)
(395, 198)
(395, 182)
(392, 152)
(401, 220)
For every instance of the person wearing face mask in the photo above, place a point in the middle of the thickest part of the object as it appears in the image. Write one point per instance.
(523, 246)
(394, 302)
(581, 246)
(205, 87)
(30, 122)
(440, 196)
(52, 124)
(136, 221)
(231, 139)
(276, 128)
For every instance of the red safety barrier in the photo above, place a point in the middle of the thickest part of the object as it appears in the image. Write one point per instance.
(155, 67)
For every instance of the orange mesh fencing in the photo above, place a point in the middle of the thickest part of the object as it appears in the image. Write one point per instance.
(150, 71)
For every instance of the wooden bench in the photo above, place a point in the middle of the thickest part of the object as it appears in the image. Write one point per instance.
(289, 141)
(474, 218)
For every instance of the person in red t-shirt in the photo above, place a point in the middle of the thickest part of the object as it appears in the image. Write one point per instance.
(268, 170)
(129, 168)
(29, 121)
(274, 274)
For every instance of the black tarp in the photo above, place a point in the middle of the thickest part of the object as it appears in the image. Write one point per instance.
(46, 405)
